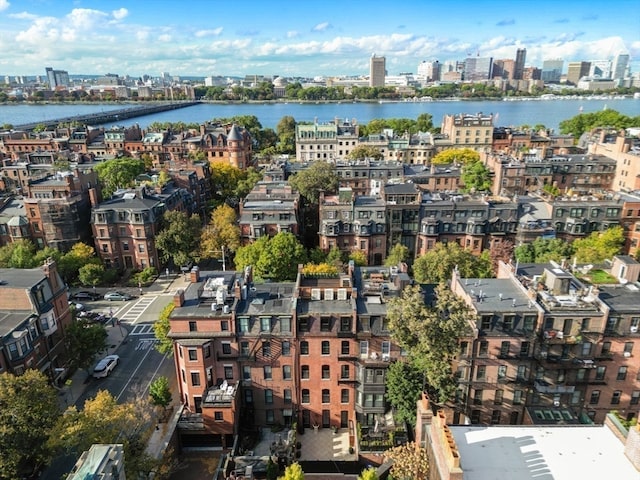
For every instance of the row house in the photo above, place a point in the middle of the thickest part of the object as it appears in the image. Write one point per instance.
(353, 223)
(434, 178)
(624, 149)
(34, 314)
(403, 201)
(195, 178)
(574, 174)
(58, 208)
(576, 217)
(474, 131)
(118, 139)
(270, 208)
(476, 223)
(508, 141)
(14, 224)
(328, 141)
(367, 177)
(124, 227)
(630, 220)
(314, 351)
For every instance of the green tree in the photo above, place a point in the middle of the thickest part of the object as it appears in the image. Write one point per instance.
(160, 392)
(436, 266)
(118, 173)
(179, 239)
(28, 410)
(431, 334)
(286, 130)
(461, 156)
(293, 472)
(318, 176)
(586, 122)
(398, 253)
(476, 177)
(249, 179)
(249, 255)
(91, 274)
(221, 232)
(280, 258)
(543, 250)
(71, 262)
(599, 246)
(410, 461)
(83, 342)
(18, 254)
(404, 385)
(365, 151)
(161, 329)
(368, 474)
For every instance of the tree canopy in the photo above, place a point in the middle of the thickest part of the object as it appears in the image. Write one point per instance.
(436, 266)
(161, 330)
(398, 253)
(83, 342)
(222, 231)
(365, 151)
(310, 181)
(274, 258)
(431, 334)
(599, 246)
(585, 122)
(179, 239)
(28, 410)
(160, 392)
(476, 177)
(542, 250)
(404, 385)
(118, 173)
(461, 156)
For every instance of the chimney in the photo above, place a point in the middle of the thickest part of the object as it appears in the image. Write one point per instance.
(93, 197)
(195, 275)
(236, 289)
(178, 298)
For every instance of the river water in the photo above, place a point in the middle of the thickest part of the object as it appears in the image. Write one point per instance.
(509, 113)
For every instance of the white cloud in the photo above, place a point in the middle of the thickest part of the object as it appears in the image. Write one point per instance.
(85, 18)
(22, 15)
(4, 4)
(209, 33)
(321, 27)
(292, 34)
(165, 37)
(120, 13)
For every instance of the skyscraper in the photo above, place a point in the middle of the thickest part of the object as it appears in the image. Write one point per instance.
(478, 68)
(521, 56)
(377, 71)
(57, 78)
(577, 70)
(620, 65)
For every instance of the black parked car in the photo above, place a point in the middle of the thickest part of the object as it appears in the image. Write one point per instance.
(85, 295)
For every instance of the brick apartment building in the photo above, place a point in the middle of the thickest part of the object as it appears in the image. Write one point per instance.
(34, 314)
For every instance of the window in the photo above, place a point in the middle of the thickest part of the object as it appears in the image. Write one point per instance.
(385, 349)
(268, 396)
(265, 324)
(304, 372)
(285, 324)
(507, 322)
(344, 395)
(502, 372)
(344, 372)
(304, 348)
(195, 379)
(628, 347)
(497, 399)
(224, 325)
(595, 397)
(483, 348)
(193, 326)
(207, 349)
(244, 349)
(244, 324)
(481, 372)
(326, 395)
(303, 324)
(306, 398)
(524, 349)
(345, 324)
(325, 324)
(266, 349)
(600, 373)
(464, 349)
(326, 372)
(193, 354)
(325, 347)
(495, 417)
(228, 372)
(344, 347)
(217, 416)
(364, 349)
(226, 349)
(477, 397)
(622, 373)
(267, 372)
(606, 348)
(485, 323)
(635, 397)
(504, 348)
(286, 395)
(517, 397)
(586, 349)
(246, 372)
(286, 372)
(269, 416)
(615, 398)
(141, 247)
(286, 348)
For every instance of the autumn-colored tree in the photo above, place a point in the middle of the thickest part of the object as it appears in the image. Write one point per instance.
(398, 253)
(359, 258)
(500, 252)
(368, 474)
(320, 269)
(461, 156)
(161, 330)
(160, 392)
(410, 461)
(221, 232)
(436, 266)
(293, 472)
(599, 246)
(28, 410)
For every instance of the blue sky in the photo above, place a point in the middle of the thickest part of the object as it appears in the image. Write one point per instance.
(203, 37)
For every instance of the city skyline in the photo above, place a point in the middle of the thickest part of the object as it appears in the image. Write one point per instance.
(84, 37)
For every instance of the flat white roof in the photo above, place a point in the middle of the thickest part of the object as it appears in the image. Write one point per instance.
(541, 453)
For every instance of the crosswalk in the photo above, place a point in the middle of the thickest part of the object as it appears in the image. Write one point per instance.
(136, 311)
(142, 329)
(146, 343)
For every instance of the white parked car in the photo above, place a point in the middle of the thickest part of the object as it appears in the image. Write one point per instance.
(105, 366)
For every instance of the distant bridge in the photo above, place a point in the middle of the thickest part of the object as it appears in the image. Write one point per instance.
(109, 117)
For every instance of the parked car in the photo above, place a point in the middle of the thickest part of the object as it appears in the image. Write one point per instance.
(85, 295)
(117, 296)
(78, 306)
(105, 366)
